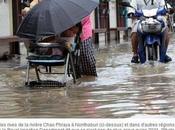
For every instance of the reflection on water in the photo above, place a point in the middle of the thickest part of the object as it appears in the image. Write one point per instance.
(121, 90)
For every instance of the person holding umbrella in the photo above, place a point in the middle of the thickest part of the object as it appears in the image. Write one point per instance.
(48, 18)
(83, 30)
(88, 62)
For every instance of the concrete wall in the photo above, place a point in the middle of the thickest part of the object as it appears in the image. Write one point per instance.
(112, 14)
(5, 17)
(5, 24)
(112, 18)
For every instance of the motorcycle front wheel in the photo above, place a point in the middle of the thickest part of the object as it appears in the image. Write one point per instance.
(152, 53)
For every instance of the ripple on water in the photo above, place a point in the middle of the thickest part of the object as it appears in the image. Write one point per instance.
(121, 90)
(110, 76)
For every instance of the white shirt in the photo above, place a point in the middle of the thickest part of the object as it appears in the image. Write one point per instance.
(137, 4)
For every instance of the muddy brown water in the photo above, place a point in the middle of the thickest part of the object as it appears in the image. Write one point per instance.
(121, 90)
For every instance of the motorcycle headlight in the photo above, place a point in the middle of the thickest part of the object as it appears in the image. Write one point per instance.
(152, 26)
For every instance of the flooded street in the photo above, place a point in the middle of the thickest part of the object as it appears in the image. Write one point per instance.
(121, 90)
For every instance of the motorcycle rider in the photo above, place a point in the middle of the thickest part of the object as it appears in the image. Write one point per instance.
(134, 37)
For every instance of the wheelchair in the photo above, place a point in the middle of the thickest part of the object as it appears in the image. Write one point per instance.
(41, 58)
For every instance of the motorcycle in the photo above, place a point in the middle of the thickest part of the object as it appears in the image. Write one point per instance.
(151, 33)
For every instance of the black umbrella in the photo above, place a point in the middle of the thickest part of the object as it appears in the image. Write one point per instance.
(52, 17)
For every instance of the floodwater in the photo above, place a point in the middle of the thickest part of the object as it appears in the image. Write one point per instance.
(121, 90)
